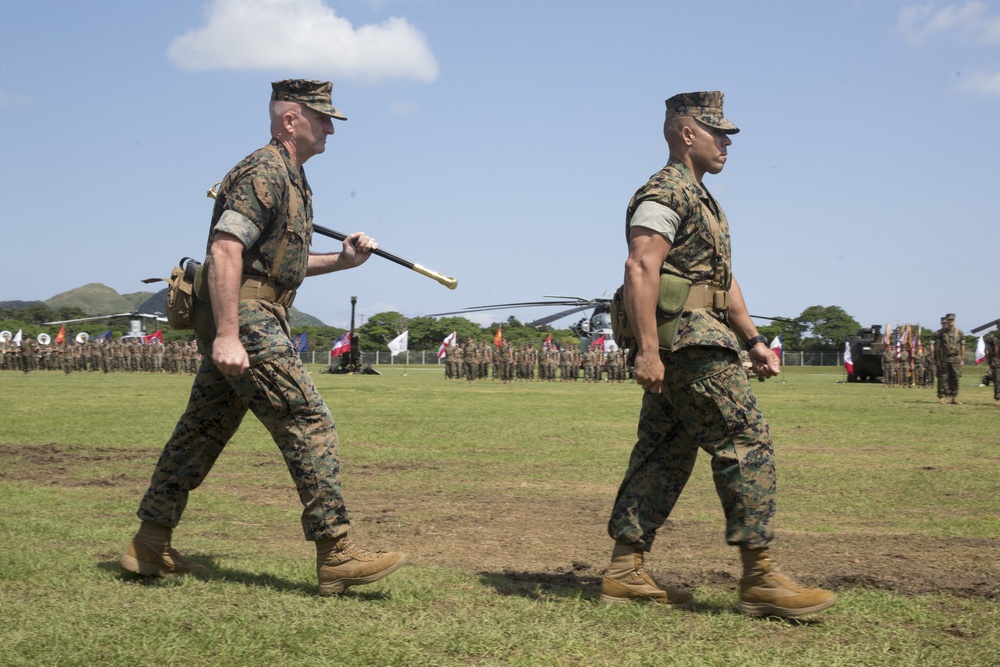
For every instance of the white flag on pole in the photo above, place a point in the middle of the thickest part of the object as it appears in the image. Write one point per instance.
(17, 338)
(399, 343)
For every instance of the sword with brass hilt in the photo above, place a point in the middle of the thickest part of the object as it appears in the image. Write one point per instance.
(450, 283)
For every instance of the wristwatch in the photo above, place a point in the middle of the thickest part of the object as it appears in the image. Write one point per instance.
(756, 339)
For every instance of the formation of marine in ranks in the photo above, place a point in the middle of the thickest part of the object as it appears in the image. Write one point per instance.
(509, 363)
(905, 364)
(101, 357)
(909, 370)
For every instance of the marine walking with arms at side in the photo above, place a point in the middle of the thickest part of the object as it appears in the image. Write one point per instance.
(690, 322)
(258, 255)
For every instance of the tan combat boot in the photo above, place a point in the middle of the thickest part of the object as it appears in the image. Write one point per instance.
(626, 581)
(341, 563)
(150, 554)
(766, 591)
(955, 401)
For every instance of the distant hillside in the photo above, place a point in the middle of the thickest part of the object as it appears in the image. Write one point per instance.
(157, 303)
(299, 319)
(98, 299)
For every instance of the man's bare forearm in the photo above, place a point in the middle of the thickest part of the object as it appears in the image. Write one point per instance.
(224, 279)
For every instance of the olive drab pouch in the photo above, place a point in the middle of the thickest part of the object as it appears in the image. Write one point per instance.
(669, 305)
(621, 329)
(203, 321)
(180, 293)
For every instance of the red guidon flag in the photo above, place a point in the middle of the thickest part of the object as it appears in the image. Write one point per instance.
(848, 360)
(448, 340)
(776, 346)
(341, 345)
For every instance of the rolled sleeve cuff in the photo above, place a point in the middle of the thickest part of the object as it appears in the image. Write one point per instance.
(659, 218)
(239, 226)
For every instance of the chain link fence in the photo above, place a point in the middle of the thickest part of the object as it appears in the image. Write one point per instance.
(429, 357)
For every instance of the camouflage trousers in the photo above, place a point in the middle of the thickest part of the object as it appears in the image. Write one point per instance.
(281, 394)
(706, 403)
(949, 372)
(995, 379)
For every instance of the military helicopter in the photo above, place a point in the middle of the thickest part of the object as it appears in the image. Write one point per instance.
(589, 329)
(135, 321)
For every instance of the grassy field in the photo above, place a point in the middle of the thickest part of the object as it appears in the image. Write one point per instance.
(500, 494)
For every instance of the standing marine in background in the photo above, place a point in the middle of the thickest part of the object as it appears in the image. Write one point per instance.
(949, 350)
(992, 343)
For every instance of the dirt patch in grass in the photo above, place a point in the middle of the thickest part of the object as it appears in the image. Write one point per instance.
(523, 536)
(56, 465)
(562, 538)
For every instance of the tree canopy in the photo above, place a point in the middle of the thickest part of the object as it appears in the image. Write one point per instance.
(816, 329)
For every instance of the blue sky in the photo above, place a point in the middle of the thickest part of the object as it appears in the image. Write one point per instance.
(499, 143)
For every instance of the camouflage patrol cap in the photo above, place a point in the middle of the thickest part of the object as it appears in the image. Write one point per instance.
(705, 107)
(949, 316)
(313, 94)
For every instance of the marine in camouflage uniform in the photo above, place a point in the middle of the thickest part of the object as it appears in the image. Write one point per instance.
(919, 368)
(696, 393)
(258, 250)
(889, 364)
(470, 360)
(949, 351)
(905, 377)
(455, 362)
(991, 341)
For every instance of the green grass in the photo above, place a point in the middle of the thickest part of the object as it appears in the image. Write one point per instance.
(857, 463)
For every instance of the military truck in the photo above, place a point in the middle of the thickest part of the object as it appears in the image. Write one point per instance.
(866, 352)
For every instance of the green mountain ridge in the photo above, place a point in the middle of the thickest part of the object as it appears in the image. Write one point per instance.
(99, 299)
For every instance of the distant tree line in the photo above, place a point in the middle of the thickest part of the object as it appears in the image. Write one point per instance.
(816, 329)
(827, 328)
(426, 333)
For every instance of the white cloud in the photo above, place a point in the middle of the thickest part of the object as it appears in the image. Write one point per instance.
(15, 101)
(981, 82)
(303, 36)
(969, 21)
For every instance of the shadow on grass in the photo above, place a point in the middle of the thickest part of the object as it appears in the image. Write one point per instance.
(228, 575)
(542, 586)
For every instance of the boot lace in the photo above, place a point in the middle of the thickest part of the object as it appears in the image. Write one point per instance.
(347, 547)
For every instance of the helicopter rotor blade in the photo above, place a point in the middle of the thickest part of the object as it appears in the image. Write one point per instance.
(981, 327)
(115, 316)
(90, 319)
(568, 298)
(774, 319)
(558, 316)
(501, 306)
